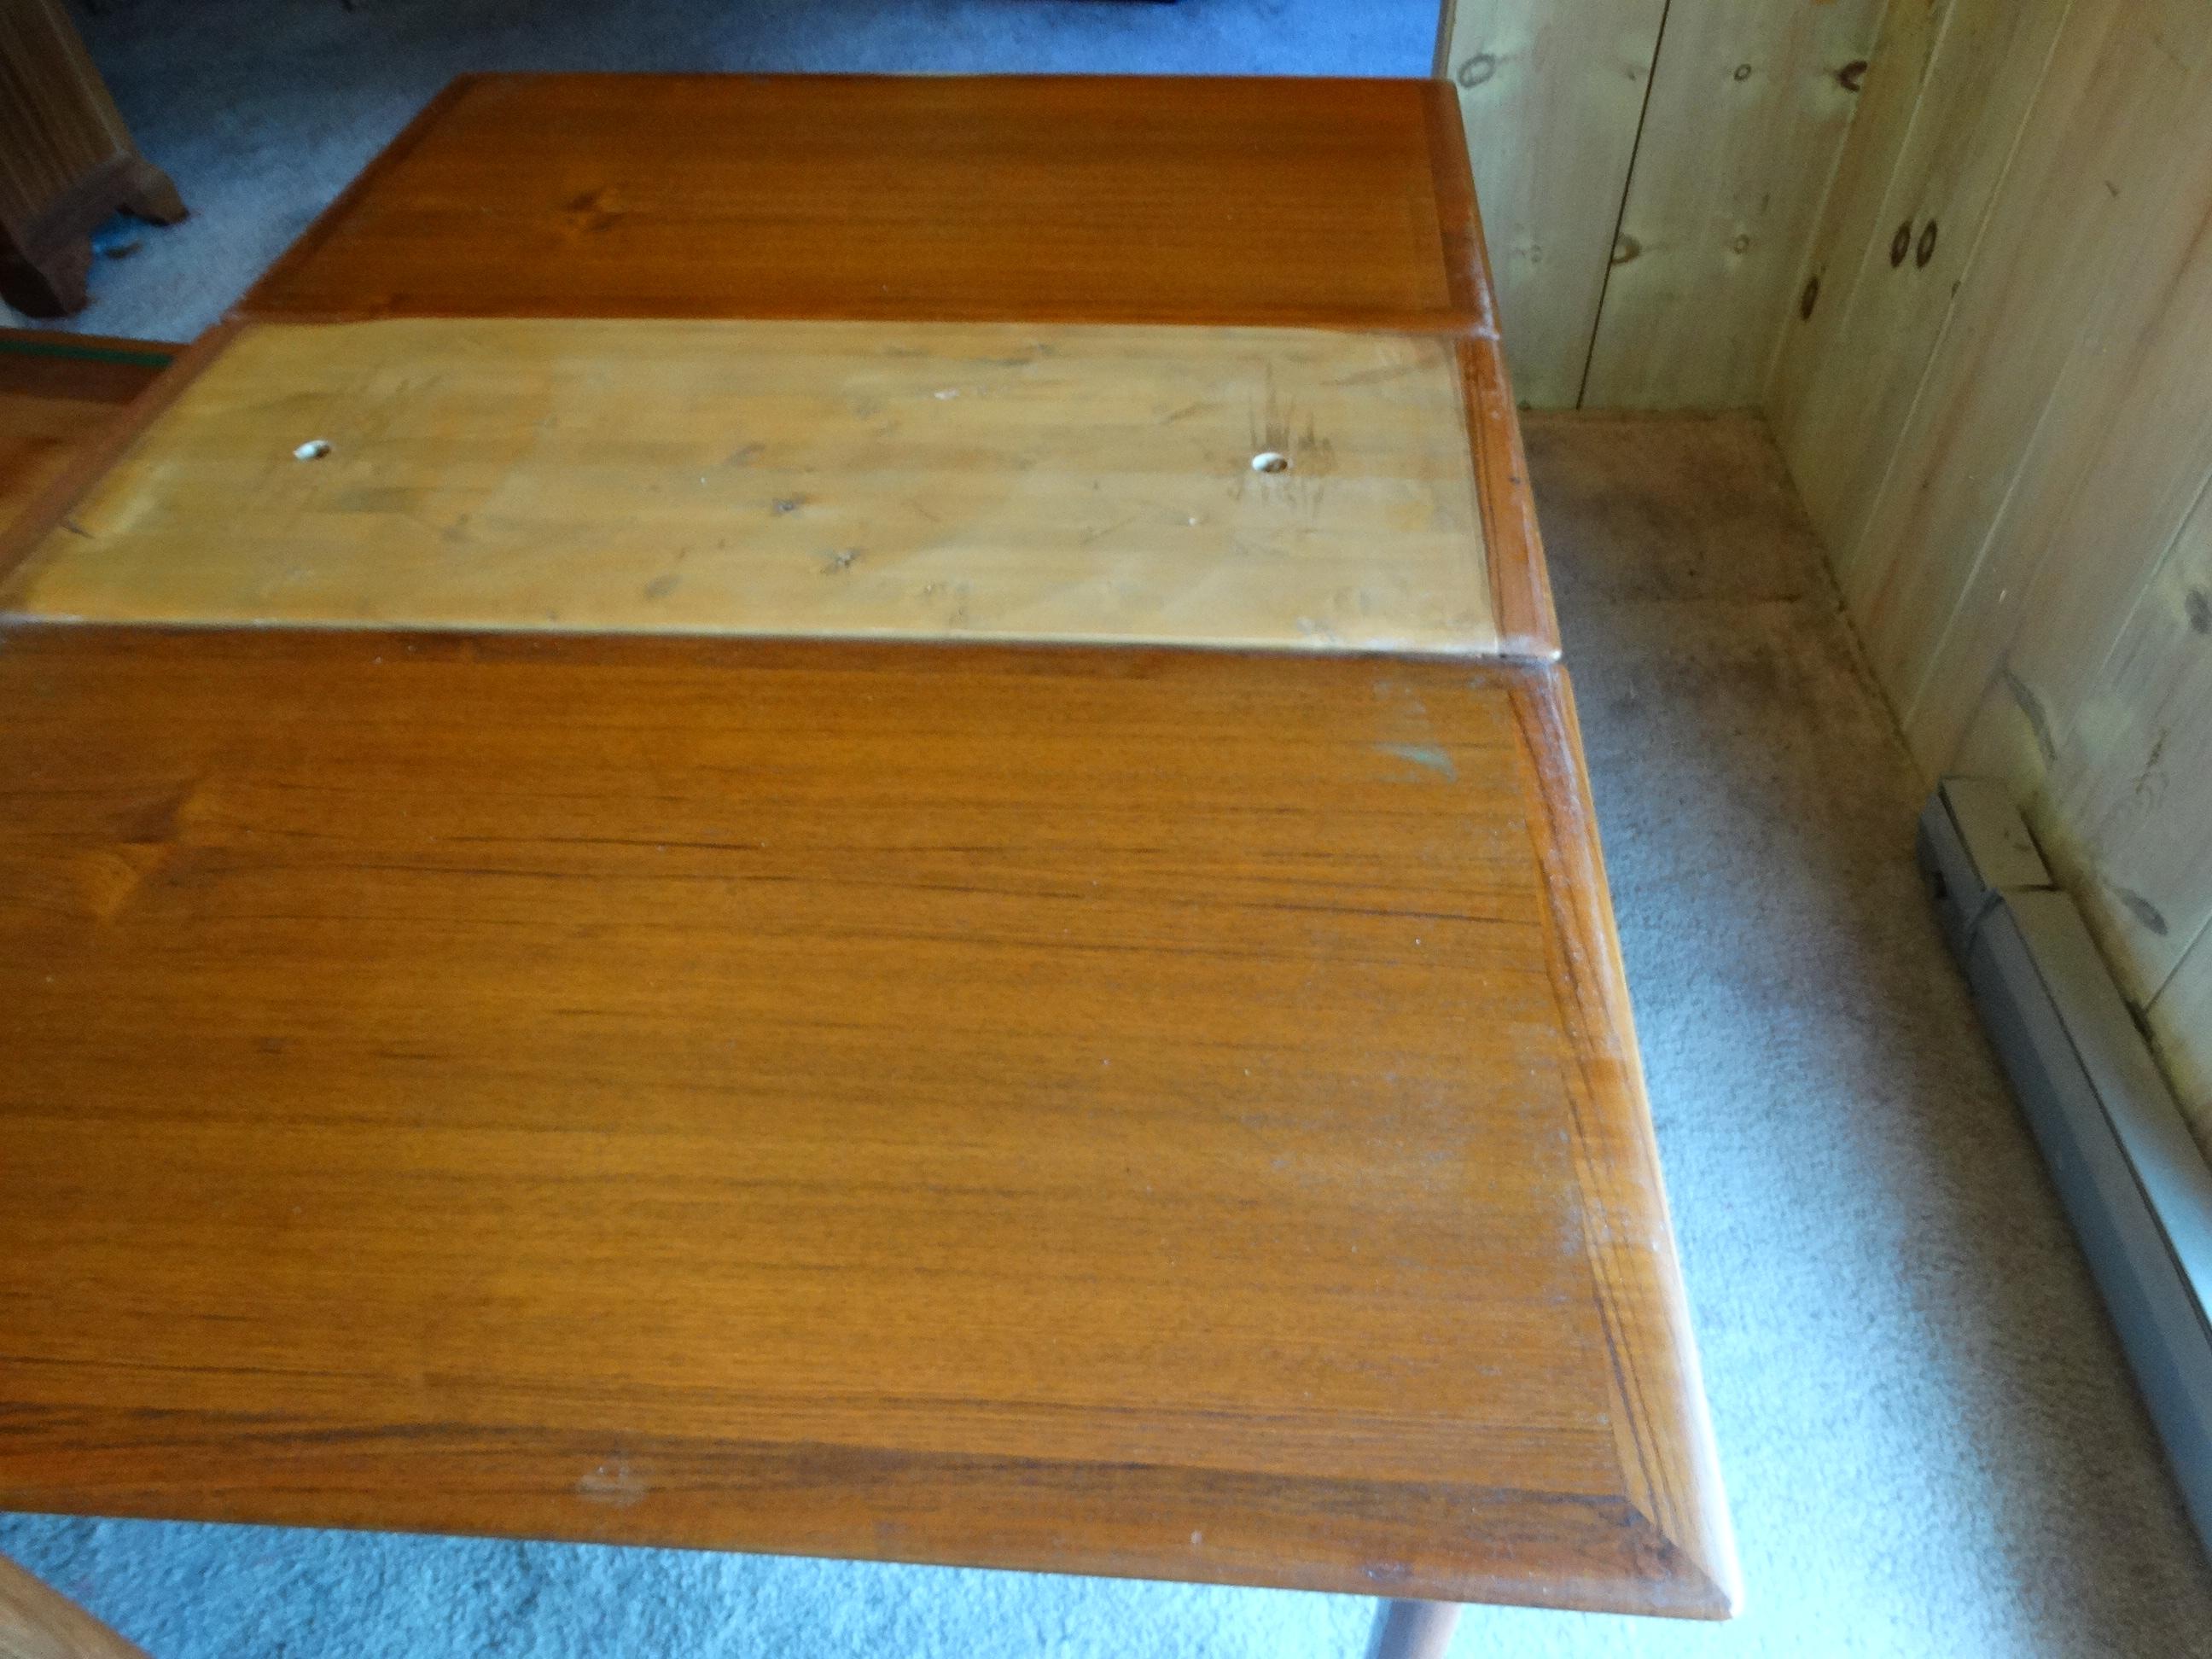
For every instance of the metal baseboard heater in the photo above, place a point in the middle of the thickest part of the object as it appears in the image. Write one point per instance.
(2137, 1189)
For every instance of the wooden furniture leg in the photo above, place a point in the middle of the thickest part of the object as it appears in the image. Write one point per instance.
(40, 1622)
(67, 161)
(1413, 1629)
(151, 195)
(49, 282)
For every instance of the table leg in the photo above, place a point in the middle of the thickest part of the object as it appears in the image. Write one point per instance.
(40, 1623)
(1413, 1629)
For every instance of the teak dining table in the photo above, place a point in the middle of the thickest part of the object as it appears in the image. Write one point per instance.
(839, 816)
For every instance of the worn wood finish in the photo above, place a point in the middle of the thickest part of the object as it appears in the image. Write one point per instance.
(1748, 109)
(95, 447)
(58, 392)
(950, 1103)
(2011, 463)
(1519, 579)
(1042, 482)
(1552, 97)
(1036, 198)
(38, 1622)
(1341, 204)
(66, 161)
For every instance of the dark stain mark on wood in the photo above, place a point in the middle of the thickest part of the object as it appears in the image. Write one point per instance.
(2199, 604)
(1926, 251)
(1901, 244)
(1852, 76)
(1812, 298)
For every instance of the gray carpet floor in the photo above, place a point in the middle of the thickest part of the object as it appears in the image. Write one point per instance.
(1930, 1442)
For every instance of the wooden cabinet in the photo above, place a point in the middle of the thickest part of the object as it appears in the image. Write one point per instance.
(66, 161)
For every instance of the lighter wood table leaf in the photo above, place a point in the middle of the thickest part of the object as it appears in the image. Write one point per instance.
(1220, 486)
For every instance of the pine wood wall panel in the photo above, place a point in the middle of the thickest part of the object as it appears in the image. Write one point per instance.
(1950, 83)
(2011, 461)
(1747, 114)
(1651, 173)
(2180, 1015)
(2127, 801)
(1552, 96)
(1895, 83)
(2064, 243)
(2114, 461)
(2129, 434)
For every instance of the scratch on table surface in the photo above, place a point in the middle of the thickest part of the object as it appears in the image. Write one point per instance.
(1423, 754)
(615, 1484)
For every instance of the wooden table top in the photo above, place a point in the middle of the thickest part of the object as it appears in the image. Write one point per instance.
(1037, 482)
(1037, 198)
(58, 392)
(1080, 199)
(1168, 1113)
(1077, 1107)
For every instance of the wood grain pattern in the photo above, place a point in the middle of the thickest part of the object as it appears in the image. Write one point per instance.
(2123, 442)
(1342, 205)
(2126, 799)
(2026, 553)
(58, 393)
(38, 1622)
(995, 480)
(1118, 1111)
(1747, 117)
(1947, 93)
(2117, 79)
(95, 447)
(1854, 217)
(58, 123)
(2023, 553)
(988, 198)
(1551, 97)
(1518, 578)
(66, 160)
